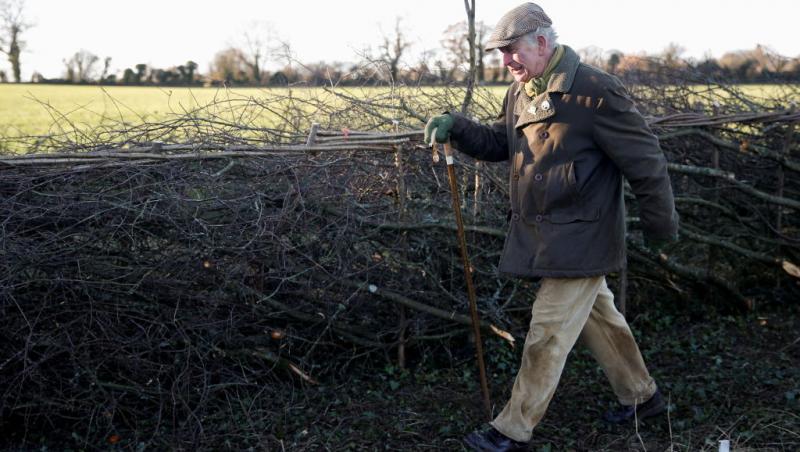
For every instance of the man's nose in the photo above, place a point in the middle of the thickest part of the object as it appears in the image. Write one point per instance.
(506, 59)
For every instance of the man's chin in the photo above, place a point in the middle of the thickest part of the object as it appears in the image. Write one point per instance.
(521, 78)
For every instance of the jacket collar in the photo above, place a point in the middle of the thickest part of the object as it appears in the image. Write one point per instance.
(542, 106)
(563, 74)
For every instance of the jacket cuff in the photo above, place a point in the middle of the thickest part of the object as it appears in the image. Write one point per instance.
(461, 126)
(668, 235)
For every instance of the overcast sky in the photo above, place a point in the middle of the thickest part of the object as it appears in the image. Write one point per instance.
(164, 33)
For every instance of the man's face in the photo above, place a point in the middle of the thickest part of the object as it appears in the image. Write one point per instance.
(525, 60)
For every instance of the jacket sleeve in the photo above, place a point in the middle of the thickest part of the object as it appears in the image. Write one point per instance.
(483, 142)
(622, 133)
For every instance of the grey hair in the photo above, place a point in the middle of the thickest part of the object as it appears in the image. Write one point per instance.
(547, 33)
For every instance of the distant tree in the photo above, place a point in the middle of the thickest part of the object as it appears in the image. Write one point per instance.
(169, 76)
(186, 72)
(672, 55)
(157, 76)
(279, 79)
(710, 68)
(182, 72)
(768, 62)
(634, 66)
(392, 50)
(456, 43)
(741, 65)
(792, 69)
(106, 66)
(191, 68)
(129, 77)
(473, 47)
(228, 66)
(12, 25)
(498, 72)
(613, 61)
(422, 72)
(69, 71)
(80, 67)
(444, 71)
(3, 77)
(141, 71)
(258, 45)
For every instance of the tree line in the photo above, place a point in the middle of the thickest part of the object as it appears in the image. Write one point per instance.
(245, 64)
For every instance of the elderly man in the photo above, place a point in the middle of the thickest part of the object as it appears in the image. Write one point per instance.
(570, 132)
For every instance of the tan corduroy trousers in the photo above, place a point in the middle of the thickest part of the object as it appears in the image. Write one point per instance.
(564, 310)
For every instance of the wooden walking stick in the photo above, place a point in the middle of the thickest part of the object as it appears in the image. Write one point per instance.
(462, 243)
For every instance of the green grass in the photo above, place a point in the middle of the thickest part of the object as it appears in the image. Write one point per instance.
(41, 109)
(31, 109)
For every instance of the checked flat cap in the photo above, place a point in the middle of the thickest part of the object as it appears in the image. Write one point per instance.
(516, 23)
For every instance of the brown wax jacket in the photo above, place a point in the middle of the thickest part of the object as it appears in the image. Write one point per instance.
(569, 148)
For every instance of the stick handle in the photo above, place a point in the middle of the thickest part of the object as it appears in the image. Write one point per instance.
(448, 150)
(448, 154)
(435, 154)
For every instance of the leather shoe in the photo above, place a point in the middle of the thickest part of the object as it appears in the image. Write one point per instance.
(493, 441)
(625, 413)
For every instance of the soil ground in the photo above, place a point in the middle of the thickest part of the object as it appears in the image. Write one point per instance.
(727, 376)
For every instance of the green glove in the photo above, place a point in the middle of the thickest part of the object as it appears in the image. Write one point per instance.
(443, 124)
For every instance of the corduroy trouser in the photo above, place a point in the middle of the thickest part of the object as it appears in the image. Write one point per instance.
(565, 310)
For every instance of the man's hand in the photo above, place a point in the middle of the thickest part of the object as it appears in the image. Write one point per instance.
(442, 124)
(656, 246)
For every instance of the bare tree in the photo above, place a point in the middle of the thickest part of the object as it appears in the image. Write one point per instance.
(258, 45)
(444, 71)
(392, 50)
(469, 5)
(229, 66)
(81, 66)
(672, 54)
(768, 60)
(456, 42)
(12, 25)
(106, 66)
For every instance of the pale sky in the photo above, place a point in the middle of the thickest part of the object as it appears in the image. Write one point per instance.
(164, 33)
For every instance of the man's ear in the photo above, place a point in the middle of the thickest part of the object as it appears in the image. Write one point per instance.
(542, 45)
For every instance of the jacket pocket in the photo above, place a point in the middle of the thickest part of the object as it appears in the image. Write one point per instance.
(572, 216)
(549, 191)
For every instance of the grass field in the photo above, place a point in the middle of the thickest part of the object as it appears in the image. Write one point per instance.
(31, 109)
(39, 109)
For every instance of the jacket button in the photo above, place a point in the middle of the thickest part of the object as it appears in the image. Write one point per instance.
(537, 177)
(538, 218)
(515, 217)
(516, 176)
(544, 135)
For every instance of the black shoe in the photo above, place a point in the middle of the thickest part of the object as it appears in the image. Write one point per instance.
(627, 413)
(493, 441)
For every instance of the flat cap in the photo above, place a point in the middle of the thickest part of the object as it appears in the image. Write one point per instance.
(516, 23)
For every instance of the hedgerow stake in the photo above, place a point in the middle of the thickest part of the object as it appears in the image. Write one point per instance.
(462, 243)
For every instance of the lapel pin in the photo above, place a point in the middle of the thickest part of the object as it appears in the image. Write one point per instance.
(532, 109)
(545, 105)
